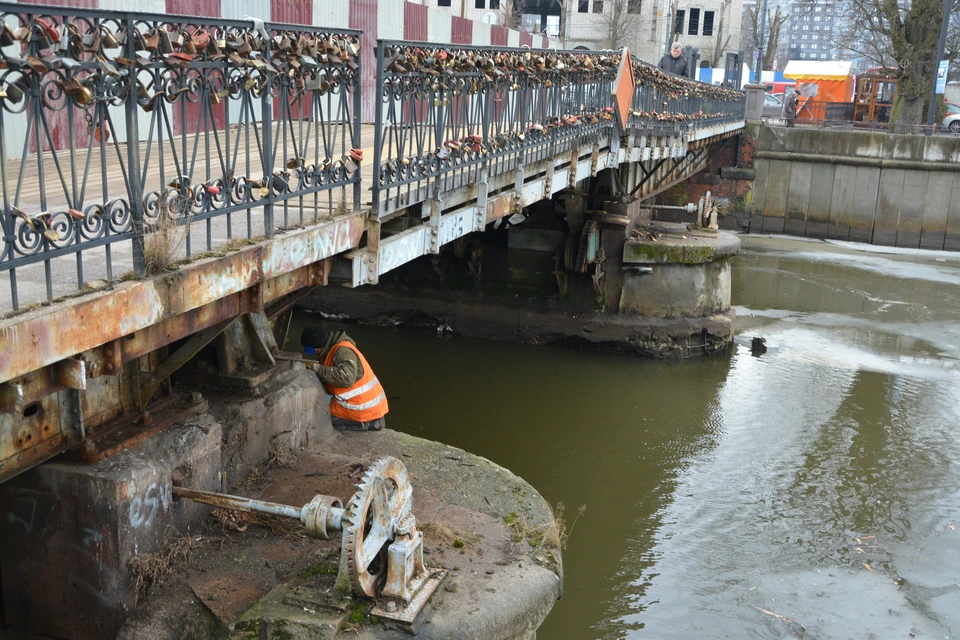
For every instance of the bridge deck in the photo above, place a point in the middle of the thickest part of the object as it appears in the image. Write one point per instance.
(113, 261)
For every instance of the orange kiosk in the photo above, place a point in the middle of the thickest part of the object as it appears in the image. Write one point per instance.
(822, 86)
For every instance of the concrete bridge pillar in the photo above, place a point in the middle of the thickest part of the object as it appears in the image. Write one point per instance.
(71, 532)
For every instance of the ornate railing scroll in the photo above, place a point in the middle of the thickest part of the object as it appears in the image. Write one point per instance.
(448, 113)
(663, 102)
(115, 126)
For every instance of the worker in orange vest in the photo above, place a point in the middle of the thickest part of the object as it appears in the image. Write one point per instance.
(358, 402)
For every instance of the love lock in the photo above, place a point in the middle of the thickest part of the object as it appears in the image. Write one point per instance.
(381, 551)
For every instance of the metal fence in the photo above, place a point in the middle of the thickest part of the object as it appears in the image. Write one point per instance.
(125, 127)
(128, 140)
(448, 115)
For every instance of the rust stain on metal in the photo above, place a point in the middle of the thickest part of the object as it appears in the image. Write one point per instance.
(312, 245)
(131, 431)
(499, 207)
(237, 503)
(40, 338)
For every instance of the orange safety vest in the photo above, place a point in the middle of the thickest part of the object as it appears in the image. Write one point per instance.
(362, 402)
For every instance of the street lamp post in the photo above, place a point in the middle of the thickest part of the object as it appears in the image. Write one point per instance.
(941, 47)
(761, 41)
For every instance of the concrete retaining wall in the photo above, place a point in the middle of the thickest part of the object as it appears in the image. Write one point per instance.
(871, 187)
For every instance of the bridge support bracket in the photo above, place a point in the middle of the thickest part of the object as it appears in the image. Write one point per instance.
(432, 210)
(518, 190)
(574, 161)
(548, 180)
(483, 190)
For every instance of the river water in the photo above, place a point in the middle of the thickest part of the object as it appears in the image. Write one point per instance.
(812, 491)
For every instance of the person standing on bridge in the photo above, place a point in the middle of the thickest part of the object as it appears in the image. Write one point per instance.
(675, 63)
(358, 402)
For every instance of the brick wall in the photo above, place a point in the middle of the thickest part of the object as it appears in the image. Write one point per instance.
(737, 186)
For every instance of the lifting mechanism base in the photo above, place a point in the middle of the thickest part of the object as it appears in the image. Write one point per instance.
(381, 554)
(410, 617)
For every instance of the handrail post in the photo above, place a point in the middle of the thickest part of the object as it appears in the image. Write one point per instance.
(268, 161)
(134, 188)
(357, 134)
(377, 132)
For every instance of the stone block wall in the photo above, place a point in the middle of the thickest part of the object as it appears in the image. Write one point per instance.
(860, 186)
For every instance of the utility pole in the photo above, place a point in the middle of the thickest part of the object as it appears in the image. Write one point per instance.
(761, 41)
(670, 9)
(941, 47)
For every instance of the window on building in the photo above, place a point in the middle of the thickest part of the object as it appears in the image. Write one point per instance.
(633, 6)
(816, 37)
(802, 56)
(598, 6)
(694, 27)
(678, 25)
(708, 23)
(494, 4)
(583, 6)
(480, 4)
(443, 3)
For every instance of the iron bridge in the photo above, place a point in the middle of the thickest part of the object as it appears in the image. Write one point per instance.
(173, 185)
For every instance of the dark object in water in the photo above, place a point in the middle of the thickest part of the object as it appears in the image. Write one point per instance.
(758, 346)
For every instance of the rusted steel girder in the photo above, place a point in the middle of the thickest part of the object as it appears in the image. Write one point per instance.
(39, 338)
(68, 371)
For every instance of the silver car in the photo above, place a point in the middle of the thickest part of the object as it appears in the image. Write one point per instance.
(952, 122)
(771, 106)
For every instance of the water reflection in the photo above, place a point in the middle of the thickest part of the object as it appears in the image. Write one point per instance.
(809, 491)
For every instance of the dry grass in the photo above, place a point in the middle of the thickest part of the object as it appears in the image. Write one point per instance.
(257, 479)
(282, 456)
(240, 521)
(446, 535)
(151, 569)
(554, 533)
(163, 241)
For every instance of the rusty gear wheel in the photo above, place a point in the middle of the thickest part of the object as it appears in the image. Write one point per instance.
(383, 497)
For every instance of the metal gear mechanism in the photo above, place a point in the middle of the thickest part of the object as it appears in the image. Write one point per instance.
(381, 554)
(380, 507)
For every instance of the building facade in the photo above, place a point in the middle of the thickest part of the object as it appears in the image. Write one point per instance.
(646, 26)
(811, 30)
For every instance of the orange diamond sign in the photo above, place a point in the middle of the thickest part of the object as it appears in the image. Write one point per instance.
(623, 88)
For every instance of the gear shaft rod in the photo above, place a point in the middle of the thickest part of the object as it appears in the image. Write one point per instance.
(237, 503)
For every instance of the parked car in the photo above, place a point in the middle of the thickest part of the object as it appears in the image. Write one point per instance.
(952, 122)
(771, 106)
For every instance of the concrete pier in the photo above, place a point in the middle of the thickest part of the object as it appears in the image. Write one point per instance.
(85, 549)
(654, 289)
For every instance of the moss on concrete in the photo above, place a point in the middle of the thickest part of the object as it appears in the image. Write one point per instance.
(667, 252)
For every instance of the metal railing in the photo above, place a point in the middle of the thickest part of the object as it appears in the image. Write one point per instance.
(665, 103)
(123, 131)
(117, 126)
(447, 115)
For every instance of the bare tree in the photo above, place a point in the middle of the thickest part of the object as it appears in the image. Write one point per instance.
(723, 41)
(621, 18)
(770, 36)
(894, 35)
(511, 13)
